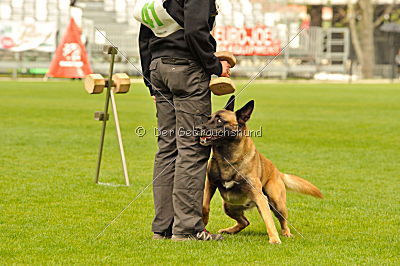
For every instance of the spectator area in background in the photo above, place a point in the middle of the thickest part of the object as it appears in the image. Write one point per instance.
(318, 48)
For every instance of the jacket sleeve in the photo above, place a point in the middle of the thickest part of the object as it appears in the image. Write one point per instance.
(198, 36)
(145, 35)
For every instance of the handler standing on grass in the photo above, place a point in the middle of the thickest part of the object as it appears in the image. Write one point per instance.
(177, 57)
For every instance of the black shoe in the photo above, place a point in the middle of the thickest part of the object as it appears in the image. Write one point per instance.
(159, 236)
(202, 236)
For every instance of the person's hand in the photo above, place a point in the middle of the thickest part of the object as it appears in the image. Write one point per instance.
(226, 72)
(154, 98)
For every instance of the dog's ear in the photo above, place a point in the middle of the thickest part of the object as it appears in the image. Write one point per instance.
(230, 105)
(243, 114)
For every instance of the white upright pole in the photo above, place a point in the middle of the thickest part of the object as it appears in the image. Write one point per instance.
(121, 146)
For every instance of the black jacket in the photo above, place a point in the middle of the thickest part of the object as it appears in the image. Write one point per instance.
(195, 42)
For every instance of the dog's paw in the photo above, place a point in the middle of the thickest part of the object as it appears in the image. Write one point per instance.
(287, 234)
(226, 231)
(275, 240)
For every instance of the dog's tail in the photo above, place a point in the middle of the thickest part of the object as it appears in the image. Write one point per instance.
(301, 185)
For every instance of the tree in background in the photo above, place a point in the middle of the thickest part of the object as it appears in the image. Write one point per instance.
(362, 24)
(315, 12)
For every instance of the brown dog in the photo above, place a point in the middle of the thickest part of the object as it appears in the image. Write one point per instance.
(244, 177)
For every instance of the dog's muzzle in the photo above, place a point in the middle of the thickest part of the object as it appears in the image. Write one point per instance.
(206, 141)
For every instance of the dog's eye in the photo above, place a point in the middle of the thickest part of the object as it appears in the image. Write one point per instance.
(219, 121)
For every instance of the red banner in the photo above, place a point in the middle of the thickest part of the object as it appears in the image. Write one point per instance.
(247, 41)
(70, 60)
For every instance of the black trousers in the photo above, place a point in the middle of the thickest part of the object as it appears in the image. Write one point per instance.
(183, 101)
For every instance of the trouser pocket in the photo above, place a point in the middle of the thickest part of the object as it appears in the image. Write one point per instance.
(191, 113)
(193, 157)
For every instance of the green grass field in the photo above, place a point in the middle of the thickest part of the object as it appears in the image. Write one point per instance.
(343, 138)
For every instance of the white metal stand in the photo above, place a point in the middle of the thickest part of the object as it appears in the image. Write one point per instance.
(119, 136)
